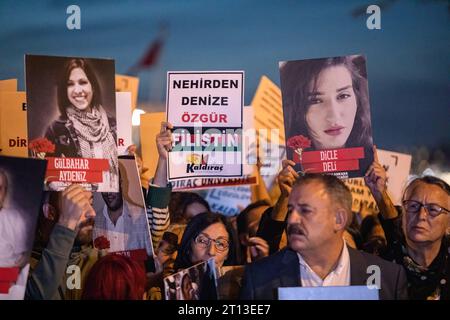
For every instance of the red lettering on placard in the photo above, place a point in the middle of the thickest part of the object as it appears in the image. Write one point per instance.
(17, 142)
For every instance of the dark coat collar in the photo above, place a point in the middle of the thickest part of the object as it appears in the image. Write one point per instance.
(290, 269)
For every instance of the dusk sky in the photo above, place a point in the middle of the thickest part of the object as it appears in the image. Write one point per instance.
(408, 60)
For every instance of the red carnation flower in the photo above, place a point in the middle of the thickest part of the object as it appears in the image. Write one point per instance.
(298, 142)
(41, 145)
(102, 243)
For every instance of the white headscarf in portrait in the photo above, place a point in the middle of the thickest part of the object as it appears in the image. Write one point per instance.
(93, 127)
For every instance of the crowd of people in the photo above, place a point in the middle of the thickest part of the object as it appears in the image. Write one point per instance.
(309, 237)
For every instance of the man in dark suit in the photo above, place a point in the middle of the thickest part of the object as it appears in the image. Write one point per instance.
(319, 210)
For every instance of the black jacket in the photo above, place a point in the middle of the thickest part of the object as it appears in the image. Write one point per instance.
(263, 278)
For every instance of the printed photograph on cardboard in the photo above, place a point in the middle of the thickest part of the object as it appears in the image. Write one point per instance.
(72, 120)
(21, 182)
(327, 115)
(121, 223)
(198, 282)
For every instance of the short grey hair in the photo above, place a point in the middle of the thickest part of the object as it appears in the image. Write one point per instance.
(428, 180)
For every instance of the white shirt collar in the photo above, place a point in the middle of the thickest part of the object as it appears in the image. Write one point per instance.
(125, 211)
(124, 216)
(341, 272)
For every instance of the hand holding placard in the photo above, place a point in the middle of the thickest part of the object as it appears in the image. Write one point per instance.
(287, 177)
(164, 141)
(75, 206)
(375, 177)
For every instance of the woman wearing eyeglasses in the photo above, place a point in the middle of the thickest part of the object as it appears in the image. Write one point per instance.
(416, 233)
(207, 235)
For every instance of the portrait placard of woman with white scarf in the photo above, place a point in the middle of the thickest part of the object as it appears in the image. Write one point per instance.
(83, 128)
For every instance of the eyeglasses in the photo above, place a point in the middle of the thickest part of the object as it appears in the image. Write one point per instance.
(412, 206)
(204, 242)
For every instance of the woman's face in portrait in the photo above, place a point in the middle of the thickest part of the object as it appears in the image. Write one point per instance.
(332, 108)
(79, 89)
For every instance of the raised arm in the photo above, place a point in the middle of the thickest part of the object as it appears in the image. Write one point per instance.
(75, 209)
(158, 196)
(272, 223)
(376, 179)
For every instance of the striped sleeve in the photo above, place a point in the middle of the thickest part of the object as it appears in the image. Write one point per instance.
(157, 202)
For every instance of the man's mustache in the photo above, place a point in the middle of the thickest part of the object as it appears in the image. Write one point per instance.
(295, 229)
